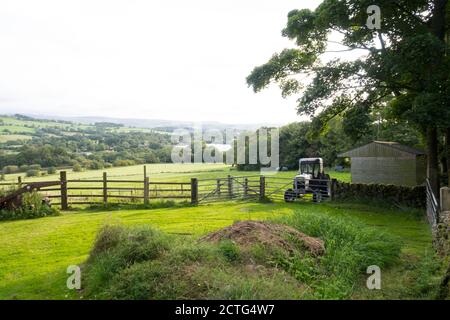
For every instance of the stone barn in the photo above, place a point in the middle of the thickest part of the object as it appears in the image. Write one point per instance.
(383, 162)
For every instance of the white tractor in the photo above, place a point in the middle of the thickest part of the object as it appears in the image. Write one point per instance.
(311, 179)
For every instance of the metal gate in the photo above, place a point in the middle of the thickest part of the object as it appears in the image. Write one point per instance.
(257, 187)
(432, 206)
(229, 188)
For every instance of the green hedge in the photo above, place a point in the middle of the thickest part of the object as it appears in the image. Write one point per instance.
(414, 197)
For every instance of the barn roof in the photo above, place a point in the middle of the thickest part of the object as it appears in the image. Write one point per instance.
(382, 149)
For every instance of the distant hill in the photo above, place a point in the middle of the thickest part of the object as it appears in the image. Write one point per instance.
(167, 125)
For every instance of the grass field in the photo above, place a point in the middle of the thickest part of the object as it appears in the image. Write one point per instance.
(35, 253)
(15, 125)
(20, 124)
(14, 137)
(17, 129)
(156, 173)
(165, 172)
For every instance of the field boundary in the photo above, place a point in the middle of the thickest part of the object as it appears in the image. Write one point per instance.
(67, 192)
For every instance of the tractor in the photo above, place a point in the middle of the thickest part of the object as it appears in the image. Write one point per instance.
(311, 179)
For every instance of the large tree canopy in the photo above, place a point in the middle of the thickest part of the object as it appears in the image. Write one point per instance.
(405, 68)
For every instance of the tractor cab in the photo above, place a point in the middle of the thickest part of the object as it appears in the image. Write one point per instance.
(311, 179)
(310, 168)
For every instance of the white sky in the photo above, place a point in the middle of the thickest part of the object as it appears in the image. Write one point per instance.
(158, 59)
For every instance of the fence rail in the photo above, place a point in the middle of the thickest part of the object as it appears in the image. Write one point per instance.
(259, 187)
(432, 205)
(109, 191)
(106, 191)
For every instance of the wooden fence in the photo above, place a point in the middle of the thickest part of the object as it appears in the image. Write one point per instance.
(68, 192)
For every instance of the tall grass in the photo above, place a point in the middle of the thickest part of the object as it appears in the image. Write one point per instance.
(142, 263)
(117, 248)
(350, 248)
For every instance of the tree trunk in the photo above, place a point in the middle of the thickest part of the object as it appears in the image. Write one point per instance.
(432, 159)
(438, 24)
(438, 29)
(447, 154)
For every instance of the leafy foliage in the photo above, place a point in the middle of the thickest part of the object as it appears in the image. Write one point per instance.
(405, 68)
(32, 206)
(91, 147)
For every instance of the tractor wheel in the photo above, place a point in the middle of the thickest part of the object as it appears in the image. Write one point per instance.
(289, 195)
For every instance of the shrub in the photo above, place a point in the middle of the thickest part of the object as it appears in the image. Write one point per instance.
(123, 163)
(8, 190)
(24, 168)
(33, 173)
(32, 206)
(95, 165)
(77, 167)
(10, 169)
(35, 167)
(51, 170)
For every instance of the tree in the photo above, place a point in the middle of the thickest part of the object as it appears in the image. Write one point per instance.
(404, 66)
(77, 167)
(33, 173)
(294, 144)
(51, 170)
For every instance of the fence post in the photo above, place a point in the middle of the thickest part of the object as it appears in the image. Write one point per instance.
(63, 179)
(194, 191)
(245, 187)
(218, 187)
(19, 181)
(146, 190)
(230, 187)
(262, 187)
(105, 189)
(333, 189)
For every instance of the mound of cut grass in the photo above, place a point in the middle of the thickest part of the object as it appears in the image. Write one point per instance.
(143, 263)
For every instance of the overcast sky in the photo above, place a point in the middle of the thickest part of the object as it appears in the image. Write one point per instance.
(165, 59)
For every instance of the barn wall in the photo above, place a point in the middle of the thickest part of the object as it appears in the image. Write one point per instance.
(396, 171)
(377, 150)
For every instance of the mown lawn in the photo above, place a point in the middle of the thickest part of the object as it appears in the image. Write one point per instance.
(34, 254)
